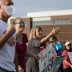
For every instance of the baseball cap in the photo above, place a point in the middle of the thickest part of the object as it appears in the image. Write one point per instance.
(67, 43)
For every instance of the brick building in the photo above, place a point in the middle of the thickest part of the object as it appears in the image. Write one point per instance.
(49, 19)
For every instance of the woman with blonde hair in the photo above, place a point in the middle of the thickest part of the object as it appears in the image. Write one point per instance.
(21, 40)
(33, 32)
(33, 49)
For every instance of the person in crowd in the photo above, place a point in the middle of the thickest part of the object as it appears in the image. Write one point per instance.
(67, 65)
(7, 37)
(21, 40)
(58, 47)
(52, 41)
(35, 41)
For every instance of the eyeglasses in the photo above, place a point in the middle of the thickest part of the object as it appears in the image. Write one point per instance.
(10, 4)
(22, 24)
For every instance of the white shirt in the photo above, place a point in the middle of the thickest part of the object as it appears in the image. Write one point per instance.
(7, 52)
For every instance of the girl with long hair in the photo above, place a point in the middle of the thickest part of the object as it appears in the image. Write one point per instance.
(33, 49)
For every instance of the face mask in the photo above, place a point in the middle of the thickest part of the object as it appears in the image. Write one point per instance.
(10, 10)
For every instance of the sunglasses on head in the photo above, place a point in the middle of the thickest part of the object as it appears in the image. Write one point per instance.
(51, 41)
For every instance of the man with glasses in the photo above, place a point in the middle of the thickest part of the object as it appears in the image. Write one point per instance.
(7, 37)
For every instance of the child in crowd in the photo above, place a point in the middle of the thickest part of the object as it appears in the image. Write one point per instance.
(56, 44)
(58, 47)
(35, 41)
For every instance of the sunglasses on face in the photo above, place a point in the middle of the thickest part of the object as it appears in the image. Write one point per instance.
(69, 44)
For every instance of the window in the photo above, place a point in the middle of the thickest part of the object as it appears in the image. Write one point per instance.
(62, 21)
(36, 23)
(41, 21)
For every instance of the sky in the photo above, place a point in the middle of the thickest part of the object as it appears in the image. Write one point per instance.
(25, 6)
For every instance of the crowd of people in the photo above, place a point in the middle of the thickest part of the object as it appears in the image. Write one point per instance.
(19, 53)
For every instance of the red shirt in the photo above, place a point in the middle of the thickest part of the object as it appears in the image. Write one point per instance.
(64, 53)
(21, 51)
(42, 47)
